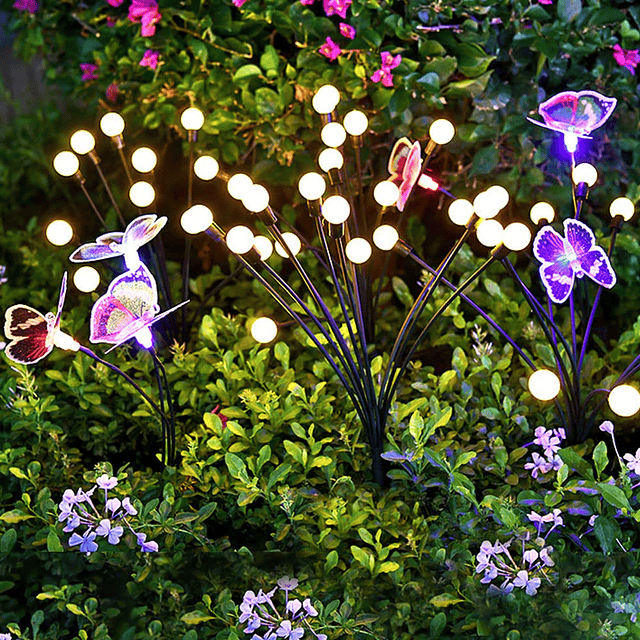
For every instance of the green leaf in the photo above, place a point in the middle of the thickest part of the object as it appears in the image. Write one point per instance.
(388, 567)
(321, 461)
(490, 413)
(402, 291)
(606, 531)
(485, 161)
(14, 516)
(277, 474)
(53, 543)
(600, 457)
(574, 461)
(569, 10)
(269, 60)
(416, 424)
(459, 360)
(445, 600)
(468, 88)
(437, 624)
(236, 466)
(614, 496)
(268, 102)
(331, 561)
(447, 381)
(263, 456)
(363, 556)
(7, 541)
(247, 71)
(281, 352)
(196, 617)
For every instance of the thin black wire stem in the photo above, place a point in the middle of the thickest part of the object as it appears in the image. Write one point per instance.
(166, 454)
(186, 257)
(125, 165)
(93, 205)
(172, 416)
(110, 194)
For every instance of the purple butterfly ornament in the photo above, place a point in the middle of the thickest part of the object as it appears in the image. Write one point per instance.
(574, 255)
(127, 309)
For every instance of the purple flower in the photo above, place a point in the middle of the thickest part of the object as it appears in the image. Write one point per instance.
(294, 606)
(128, 507)
(89, 71)
(347, 30)
(627, 58)
(112, 92)
(287, 583)
(150, 59)
(146, 12)
(5, 636)
(384, 74)
(545, 557)
(86, 541)
(539, 465)
(330, 49)
(607, 427)
(336, 7)
(113, 504)
(106, 482)
(26, 5)
(522, 581)
(633, 462)
(309, 608)
(146, 547)
(72, 523)
(112, 534)
(285, 630)
(548, 440)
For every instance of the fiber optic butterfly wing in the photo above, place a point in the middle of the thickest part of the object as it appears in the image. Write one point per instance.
(593, 259)
(405, 163)
(556, 273)
(574, 112)
(32, 334)
(108, 245)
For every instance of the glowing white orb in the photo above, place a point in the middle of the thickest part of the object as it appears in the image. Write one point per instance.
(256, 198)
(516, 236)
(358, 250)
(264, 330)
(238, 185)
(196, 219)
(192, 119)
(584, 172)
(622, 207)
(263, 246)
(542, 211)
(112, 124)
(441, 131)
(142, 194)
(206, 167)
(325, 99)
(624, 400)
(386, 193)
(66, 163)
(356, 123)
(461, 211)
(82, 142)
(312, 186)
(239, 239)
(59, 233)
(330, 159)
(292, 241)
(544, 384)
(144, 159)
(489, 233)
(86, 279)
(385, 237)
(333, 134)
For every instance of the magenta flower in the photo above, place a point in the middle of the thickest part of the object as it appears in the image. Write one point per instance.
(347, 30)
(307, 2)
(627, 58)
(545, 1)
(26, 5)
(112, 92)
(238, 3)
(330, 49)
(336, 7)
(111, 21)
(383, 74)
(150, 59)
(89, 71)
(115, 3)
(146, 12)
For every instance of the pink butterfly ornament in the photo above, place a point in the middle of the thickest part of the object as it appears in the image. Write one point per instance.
(574, 255)
(575, 114)
(34, 335)
(111, 245)
(405, 165)
(128, 309)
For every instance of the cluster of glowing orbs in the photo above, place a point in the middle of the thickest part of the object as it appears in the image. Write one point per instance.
(333, 134)
(500, 196)
(486, 205)
(330, 159)
(144, 159)
(59, 233)
(386, 193)
(86, 279)
(325, 99)
(82, 142)
(238, 185)
(335, 209)
(239, 239)
(264, 330)
(358, 250)
(584, 172)
(461, 211)
(312, 186)
(112, 124)
(206, 167)
(516, 237)
(196, 219)
(66, 163)
(489, 233)
(192, 119)
(356, 123)
(622, 207)
(624, 400)
(263, 246)
(544, 384)
(441, 131)
(293, 243)
(385, 237)
(256, 198)
(142, 194)
(542, 211)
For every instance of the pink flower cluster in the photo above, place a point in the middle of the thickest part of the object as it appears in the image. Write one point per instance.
(146, 12)
(26, 5)
(627, 58)
(384, 74)
(150, 59)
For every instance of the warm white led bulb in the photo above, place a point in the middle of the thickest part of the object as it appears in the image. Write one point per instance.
(256, 198)
(622, 207)
(356, 123)
(330, 159)
(263, 246)
(335, 209)
(206, 167)
(238, 185)
(460, 211)
(144, 159)
(486, 205)
(385, 237)
(325, 99)
(500, 196)
(624, 400)
(544, 384)
(312, 186)
(358, 250)
(489, 233)
(584, 172)
(542, 211)
(59, 233)
(142, 194)
(239, 239)
(66, 163)
(386, 193)
(333, 134)
(292, 241)
(516, 236)
(82, 142)
(196, 219)
(112, 124)
(192, 119)
(86, 279)
(264, 330)
(441, 131)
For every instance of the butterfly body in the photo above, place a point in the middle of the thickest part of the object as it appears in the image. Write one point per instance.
(563, 259)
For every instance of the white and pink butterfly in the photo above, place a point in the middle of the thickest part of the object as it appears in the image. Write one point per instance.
(117, 243)
(128, 309)
(405, 167)
(574, 256)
